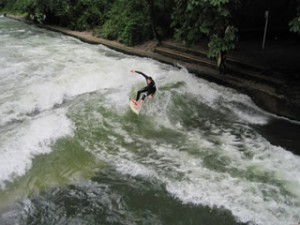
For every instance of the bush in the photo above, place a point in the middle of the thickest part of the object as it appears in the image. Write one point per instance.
(89, 19)
(75, 14)
(127, 22)
(15, 6)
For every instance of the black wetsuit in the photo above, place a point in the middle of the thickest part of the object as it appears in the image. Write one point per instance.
(150, 89)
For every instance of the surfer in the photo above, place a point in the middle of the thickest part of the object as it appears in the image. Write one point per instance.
(149, 90)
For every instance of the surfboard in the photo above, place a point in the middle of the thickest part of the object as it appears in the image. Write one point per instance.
(135, 107)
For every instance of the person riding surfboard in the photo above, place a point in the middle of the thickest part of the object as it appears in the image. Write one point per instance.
(149, 90)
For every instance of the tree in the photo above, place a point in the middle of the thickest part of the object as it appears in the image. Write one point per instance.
(127, 22)
(295, 23)
(152, 19)
(193, 19)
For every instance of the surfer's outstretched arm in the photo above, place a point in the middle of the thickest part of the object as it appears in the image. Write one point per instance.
(139, 72)
(144, 75)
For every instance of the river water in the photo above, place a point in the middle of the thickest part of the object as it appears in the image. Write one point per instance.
(72, 152)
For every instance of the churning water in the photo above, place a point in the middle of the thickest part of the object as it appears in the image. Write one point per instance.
(72, 152)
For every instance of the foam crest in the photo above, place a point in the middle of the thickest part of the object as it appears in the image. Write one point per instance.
(20, 145)
(134, 169)
(218, 97)
(27, 102)
(249, 184)
(239, 187)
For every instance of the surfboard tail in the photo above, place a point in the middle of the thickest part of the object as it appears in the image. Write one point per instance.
(136, 106)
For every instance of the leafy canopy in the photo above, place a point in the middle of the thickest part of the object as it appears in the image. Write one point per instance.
(193, 19)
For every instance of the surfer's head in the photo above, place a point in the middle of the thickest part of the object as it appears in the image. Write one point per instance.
(149, 80)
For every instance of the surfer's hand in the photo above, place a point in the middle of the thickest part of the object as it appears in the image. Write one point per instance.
(132, 71)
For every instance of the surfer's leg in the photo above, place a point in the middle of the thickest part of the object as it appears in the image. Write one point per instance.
(144, 96)
(139, 93)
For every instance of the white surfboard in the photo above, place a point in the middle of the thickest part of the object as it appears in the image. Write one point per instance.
(136, 106)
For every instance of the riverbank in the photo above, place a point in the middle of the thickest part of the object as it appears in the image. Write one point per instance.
(270, 77)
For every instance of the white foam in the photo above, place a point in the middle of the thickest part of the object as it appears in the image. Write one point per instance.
(33, 98)
(133, 169)
(248, 200)
(20, 145)
(218, 97)
(239, 187)
(43, 88)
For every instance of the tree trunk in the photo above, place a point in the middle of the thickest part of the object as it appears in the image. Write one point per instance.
(152, 20)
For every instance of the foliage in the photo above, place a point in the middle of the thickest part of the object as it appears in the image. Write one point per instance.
(75, 14)
(194, 18)
(35, 9)
(134, 21)
(13, 5)
(222, 44)
(127, 24)
(295, 23)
